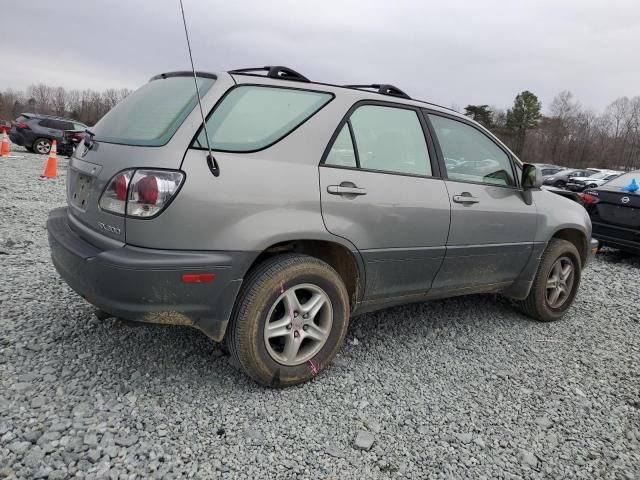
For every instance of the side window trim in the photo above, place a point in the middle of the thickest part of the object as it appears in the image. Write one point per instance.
(193, 141)
(426, 112)
(353, 143)
(436, 170)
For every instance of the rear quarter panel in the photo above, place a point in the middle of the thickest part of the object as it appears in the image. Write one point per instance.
(259, 199)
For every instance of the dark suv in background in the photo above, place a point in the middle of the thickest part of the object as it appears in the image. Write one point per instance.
(36, 132)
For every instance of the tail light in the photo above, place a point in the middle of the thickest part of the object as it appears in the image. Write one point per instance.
(588, 199)
(141, 193)
(114, 197)
(23, 126)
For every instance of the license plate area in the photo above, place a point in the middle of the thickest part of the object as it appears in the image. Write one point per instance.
(80, 190)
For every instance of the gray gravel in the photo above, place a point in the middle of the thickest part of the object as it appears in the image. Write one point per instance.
(464, 387)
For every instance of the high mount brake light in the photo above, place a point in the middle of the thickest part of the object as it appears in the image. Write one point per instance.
(140, 193)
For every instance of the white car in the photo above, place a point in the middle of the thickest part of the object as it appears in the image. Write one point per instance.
(578, 184)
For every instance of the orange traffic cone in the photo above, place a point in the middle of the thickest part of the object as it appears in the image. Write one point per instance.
(51, 169)
(5, 151)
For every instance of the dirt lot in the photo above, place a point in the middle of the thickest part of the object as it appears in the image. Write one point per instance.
(458, 388)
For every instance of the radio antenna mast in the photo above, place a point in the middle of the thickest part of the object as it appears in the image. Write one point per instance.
(213, 165)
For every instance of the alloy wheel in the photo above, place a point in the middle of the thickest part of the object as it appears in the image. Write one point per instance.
(560, 282)
(43, 146)
(298, 324)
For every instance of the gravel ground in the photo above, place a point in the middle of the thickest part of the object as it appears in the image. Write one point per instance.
(458, 388)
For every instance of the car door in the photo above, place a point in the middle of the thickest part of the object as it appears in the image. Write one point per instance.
(380, 189)
(492, 225)
(49, 127)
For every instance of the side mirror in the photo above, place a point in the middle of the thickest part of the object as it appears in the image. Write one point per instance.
(531, 177)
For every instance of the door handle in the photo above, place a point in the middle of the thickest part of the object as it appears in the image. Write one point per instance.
(465, 197)
(343, 189)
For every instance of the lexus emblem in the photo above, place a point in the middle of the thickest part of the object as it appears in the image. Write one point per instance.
(624, 199)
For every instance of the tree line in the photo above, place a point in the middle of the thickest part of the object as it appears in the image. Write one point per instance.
(570, 135)
(86, 106)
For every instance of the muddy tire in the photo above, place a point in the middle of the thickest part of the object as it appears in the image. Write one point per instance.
(556, 283)
(290, 320)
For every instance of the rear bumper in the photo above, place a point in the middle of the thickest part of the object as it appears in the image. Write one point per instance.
(576, 187)
(622, 238)
(146, 285)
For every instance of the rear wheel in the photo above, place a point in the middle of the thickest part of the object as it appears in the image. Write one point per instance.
(556, 283)
(290, 320)
(42, 146)
(560, 184)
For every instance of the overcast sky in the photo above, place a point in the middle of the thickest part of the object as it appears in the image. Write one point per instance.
(454, 52)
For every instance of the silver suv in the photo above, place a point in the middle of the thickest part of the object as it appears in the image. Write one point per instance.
(319, 202)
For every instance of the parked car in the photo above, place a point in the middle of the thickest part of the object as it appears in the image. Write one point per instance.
(578, 184)
(70, 141)
(560, 179)
(318, 202)
(574, 196)
(35, 132)
(548, 169)
(615, 213)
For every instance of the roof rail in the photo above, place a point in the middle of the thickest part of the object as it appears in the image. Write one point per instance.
(383, 89)
(283, 73)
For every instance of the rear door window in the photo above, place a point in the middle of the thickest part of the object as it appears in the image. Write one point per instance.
(387, 139)
(152, 114)
(469, 155)
(252, 117)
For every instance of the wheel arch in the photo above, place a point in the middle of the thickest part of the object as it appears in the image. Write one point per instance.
(577, 238)
(347, 262)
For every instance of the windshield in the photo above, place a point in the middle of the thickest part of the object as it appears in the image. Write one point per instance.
(152, 114)
(600, 175)
(624, 180)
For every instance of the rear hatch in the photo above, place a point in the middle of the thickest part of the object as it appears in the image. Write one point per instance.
(616, 204)
(151, 128)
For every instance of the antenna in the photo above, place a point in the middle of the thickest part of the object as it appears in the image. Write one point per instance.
(211, 161)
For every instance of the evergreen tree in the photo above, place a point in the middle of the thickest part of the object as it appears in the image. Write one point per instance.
(523, 116)
(480, 113)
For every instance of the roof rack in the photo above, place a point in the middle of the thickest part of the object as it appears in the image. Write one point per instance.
(283, 73)
(383, 89)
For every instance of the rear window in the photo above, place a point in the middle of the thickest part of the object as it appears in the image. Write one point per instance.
(253, 117)
(626, 179)
(152, 114)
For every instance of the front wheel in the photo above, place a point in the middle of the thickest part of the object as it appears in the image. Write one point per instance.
(556, 283)
(290, 320)
(560, 184)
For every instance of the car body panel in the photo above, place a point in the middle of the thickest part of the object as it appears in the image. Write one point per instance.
(400, 226)
(491, 240)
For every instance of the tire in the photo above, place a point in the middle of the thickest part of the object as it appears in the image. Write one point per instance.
(560, 184)
(265, 297)
(42, 146)
(538, 305)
